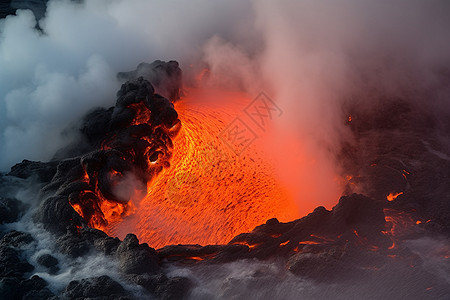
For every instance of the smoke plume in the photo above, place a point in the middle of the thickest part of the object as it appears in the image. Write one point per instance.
(312, 58)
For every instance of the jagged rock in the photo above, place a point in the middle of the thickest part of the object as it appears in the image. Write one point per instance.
(149, 281)
(42, 171)
(10, 210)
(16, 239)
(135, 258)
(8, 287)
(96, 124)
(33, 288)
(56, 214)
(38, 7)
(174, 288)
(360, 213)
(11, 263)
(102, 287)
(6, 9)
(35, 283)
(107, 246)
(45, 293)
(48, 261)
(165, 76)
(131, 140)
(323, 266)
(73, 245)
(163, 287)
(356, 219)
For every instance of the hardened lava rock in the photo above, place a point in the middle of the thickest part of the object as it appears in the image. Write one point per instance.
(124, 148)
(166, 77)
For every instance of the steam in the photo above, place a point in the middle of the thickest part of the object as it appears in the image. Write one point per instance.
(129, 188)
(252, 279)
(310, 57)
(50, 79)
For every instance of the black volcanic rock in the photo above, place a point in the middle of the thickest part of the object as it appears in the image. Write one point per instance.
(48, 261)
(174, 288)
(16, 239)
(135, 258)
(57, 215)
(323, 266)
(163, 287)
(131, 142)
(8, 288)
(166, 77)
(356, 222)
(102, 287)
(30, 286)
(38, 7)
(11, 264)
(6, 9)
(33, 288)
(360, 213)
(107, 245)
(10, 210)
(44, 293)
(73, 245)
(354, 240)
(43, 172)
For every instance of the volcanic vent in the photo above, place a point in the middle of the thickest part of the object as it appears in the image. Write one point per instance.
(159, 169)
(209, 194)
(140, 169)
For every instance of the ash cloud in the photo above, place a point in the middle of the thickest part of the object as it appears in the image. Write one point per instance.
(314, 59)
(49, 79)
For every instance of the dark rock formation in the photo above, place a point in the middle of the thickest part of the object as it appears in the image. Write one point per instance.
(10, 210)
(163, 287)
(33, 288)
(358, 238)
(14, 283)
(9, 7)
(102, 287)
(130, 143)
(399, 147)
(135, 258)
(42, 172)
(355, 222)
(48, 261)
(166, 77)
(6, 9)
(38, 7)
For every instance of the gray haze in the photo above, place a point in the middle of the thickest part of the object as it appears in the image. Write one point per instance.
(309, 56)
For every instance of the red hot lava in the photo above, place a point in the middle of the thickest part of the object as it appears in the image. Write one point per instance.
(209, 194)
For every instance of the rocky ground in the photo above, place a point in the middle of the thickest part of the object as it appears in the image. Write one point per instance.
(399, 146)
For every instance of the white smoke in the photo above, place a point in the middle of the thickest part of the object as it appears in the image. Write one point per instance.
(253, 279)
(92, 264)
(50, 79)
(308, 56)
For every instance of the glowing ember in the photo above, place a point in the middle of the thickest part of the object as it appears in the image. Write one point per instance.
(393, 196)
(285, 243)
(250, 246)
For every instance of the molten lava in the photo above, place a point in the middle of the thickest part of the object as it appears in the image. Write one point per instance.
(393, 196)
(209, 194)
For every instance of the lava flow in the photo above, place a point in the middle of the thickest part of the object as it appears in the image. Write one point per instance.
(209, 194)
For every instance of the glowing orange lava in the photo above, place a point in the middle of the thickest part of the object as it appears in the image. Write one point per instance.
(211, 192)
(393, 196)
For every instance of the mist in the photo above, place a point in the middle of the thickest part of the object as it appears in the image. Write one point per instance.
(50, 78)
(311, 58)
